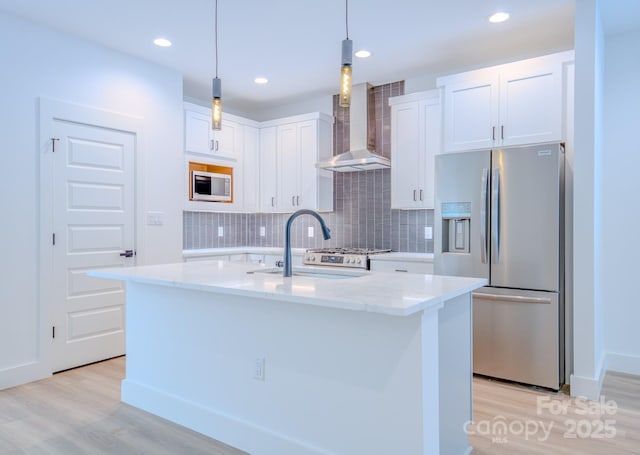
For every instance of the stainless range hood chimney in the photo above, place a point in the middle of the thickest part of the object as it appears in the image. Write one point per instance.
(362, 137)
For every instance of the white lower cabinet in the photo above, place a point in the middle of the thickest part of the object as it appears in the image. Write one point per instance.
(401, 266)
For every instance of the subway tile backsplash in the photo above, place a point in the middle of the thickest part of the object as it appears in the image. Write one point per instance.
(362, 214)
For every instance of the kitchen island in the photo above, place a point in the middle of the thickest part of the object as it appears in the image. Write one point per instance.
(376, 363)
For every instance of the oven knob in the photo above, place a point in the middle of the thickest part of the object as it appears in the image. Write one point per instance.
(347, 261)
(312, 258)
(359, 261)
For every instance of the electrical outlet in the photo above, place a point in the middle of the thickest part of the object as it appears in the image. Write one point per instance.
(428, 233)
(263, 231)
(310, 231)
(220, 231)
(258, 372)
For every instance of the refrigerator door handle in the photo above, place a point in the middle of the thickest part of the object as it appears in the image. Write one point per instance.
(510, 298)
(495, 217)
(484, 189)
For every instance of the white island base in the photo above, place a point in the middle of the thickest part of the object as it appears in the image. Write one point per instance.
(334, 381)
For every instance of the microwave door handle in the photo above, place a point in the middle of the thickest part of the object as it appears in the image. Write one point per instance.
(495, 217)
(484, 189)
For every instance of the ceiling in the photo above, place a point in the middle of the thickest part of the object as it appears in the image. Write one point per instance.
(296, 44)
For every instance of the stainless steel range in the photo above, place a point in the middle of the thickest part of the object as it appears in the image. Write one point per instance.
(341, 257)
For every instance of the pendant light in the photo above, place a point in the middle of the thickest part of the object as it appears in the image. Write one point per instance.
(345, 70)
(216, 85)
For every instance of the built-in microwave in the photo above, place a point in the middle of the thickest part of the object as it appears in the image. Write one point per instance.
(208, 186)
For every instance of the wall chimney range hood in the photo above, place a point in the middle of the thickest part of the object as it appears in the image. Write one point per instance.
(362, 137)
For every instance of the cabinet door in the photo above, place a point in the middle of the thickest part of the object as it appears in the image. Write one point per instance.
(430, 133)
(268, 169)
(251, 168)
(288, 167)
(531, 106)
(197, 132)
(307, 153)
(405, 151)
(226, 141)
(470, 114)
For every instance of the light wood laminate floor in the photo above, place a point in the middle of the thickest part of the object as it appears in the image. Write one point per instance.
(79, 412)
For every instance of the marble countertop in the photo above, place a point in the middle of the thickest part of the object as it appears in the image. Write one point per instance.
(378, 292)
(240, 250)
(392, 256)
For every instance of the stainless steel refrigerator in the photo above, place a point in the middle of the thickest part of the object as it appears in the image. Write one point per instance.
(499, 214)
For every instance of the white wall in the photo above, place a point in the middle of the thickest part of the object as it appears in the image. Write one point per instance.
(587, 306)
(620, 214)
(38, 62)
(322, 104)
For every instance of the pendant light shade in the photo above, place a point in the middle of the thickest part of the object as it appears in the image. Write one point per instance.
(345, 73)
(216, 86)
(216, 104)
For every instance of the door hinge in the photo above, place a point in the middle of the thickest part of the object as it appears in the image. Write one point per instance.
(53, 238)
(53, 331)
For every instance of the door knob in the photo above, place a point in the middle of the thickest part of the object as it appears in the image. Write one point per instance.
(127, 253)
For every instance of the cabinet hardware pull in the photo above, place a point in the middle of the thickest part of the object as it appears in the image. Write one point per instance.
(493, 134)
(217, 145)
(502, 132)
(297, 200)
(402, 270)
(414, 195)
(421, 195)
(293, 200)
(272, 201)
(212, 146)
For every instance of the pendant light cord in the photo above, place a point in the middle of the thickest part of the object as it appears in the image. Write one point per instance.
(346, 16)
(216, 33)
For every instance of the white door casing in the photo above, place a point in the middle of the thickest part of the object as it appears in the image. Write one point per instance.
(88, 202)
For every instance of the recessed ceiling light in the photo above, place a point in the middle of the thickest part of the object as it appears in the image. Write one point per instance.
(363, 54)
(498, 17)
(162, 42)
(261, 80)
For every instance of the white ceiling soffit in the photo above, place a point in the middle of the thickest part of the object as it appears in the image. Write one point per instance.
(297, 44)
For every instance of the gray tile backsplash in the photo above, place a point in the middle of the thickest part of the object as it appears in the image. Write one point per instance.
(362, 214)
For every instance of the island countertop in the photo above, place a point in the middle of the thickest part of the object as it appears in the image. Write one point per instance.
(378, 292)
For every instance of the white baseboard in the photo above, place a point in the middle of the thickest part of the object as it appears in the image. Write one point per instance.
(623, 363)
(21, 374)
(231, 430)
(591, 387)
(587, 387)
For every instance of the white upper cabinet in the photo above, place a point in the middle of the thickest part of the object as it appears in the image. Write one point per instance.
(531, 106)
(200, 138)
(289, 151)
(514, 104)
(273, 162)
(268, 170)
(251, 168)
(415, 139)
(470, 114)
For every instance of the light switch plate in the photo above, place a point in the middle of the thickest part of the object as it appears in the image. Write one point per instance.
(310, 231)
(155, 218)
(263, 231)
(220, 231)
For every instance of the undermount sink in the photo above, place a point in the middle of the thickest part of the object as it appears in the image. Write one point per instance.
(314, 273)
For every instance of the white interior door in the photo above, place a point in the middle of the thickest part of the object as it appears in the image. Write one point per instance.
(93, 223)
